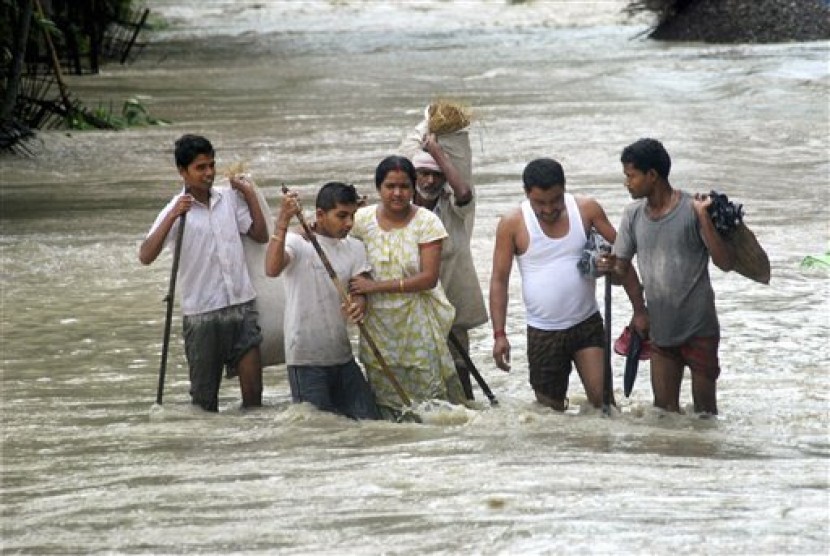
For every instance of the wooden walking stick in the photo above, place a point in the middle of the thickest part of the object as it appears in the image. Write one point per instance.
(594, 246)
(608, 379)
(169, 300)
(344, 296)
(472, 368)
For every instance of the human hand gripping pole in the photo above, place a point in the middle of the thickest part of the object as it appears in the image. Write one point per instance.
(346, 299)
(169, 300)
(595, 249)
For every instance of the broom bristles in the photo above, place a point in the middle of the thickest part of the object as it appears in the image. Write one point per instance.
(235, 168)
(446, 116)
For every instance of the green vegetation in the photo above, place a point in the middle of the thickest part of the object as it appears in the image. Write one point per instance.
(133, 114)
(41, 40)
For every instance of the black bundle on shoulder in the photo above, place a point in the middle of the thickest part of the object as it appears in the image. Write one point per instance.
(750, 258)
(726, 215)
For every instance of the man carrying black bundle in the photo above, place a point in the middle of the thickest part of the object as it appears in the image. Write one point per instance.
(673, 236)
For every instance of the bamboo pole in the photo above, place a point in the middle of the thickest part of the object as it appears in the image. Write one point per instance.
(138, 27)
(53, 54)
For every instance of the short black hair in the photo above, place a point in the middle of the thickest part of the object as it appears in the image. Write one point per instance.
(394, 162)
(188, 147)
(647, 154)
(543, 173)
(334, 193)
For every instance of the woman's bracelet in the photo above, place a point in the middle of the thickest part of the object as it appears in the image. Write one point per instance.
(400, 285)
(499, 334)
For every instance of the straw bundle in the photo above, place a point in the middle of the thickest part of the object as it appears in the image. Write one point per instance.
(234, 169)
(446, 116)
(750, 258)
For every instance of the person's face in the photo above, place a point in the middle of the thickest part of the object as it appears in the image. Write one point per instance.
(336, 222)
(547, 204)
(638, 183)
(429, 183)
(396, 191)
(200, 173)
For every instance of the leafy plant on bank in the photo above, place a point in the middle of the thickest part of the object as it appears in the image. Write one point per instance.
(133, 114)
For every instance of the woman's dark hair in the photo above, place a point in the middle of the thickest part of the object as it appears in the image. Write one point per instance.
(334, 193)
(543, 173)
(188, 147)
(647, 154)
(394, 162)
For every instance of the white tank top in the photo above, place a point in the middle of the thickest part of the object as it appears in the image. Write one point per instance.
(556, 295)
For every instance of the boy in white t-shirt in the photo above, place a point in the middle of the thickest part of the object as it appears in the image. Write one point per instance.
(318, 352)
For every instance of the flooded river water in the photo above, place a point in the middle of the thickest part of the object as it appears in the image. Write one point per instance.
(308, 92)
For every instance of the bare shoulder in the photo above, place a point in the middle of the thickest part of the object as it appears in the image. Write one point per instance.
(511, 219)
(589, 207)
(511, 234)
(586, 202)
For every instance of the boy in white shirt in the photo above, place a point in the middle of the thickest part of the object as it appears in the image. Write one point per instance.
(318, 352)
(219, 318)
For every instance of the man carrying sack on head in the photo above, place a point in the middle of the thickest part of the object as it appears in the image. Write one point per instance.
(443, 163)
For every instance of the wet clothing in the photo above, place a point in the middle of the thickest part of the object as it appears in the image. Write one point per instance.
(674, 266)
(318, 351)
(212, 270)
(216, 340)
(556, 295)
(316, 331)
(340, 389)
(410, 329)
(700, 354)
(457, 268)
(459, 278)
(458, 272)
(551, 352)
(217, 295)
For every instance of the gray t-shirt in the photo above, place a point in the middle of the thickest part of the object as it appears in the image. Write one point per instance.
(674, 265)
(316, 332)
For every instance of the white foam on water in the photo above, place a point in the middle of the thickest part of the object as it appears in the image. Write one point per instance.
(226, 17)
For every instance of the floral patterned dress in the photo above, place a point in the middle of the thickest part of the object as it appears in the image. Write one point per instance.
(410, 329)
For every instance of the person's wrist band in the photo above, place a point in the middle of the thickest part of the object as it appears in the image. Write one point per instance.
(275, 237)
(499, 334)
(400, 285)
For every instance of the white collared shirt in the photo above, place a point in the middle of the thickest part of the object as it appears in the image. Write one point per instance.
(212, 269)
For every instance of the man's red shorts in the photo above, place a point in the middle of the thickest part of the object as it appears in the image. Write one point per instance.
(700, 354)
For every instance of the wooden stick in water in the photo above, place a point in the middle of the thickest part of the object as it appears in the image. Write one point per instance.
(174, 271)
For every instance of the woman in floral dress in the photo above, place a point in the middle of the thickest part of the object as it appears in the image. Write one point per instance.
(409, 316)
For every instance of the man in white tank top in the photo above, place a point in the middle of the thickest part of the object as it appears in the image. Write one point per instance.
(546, 235)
